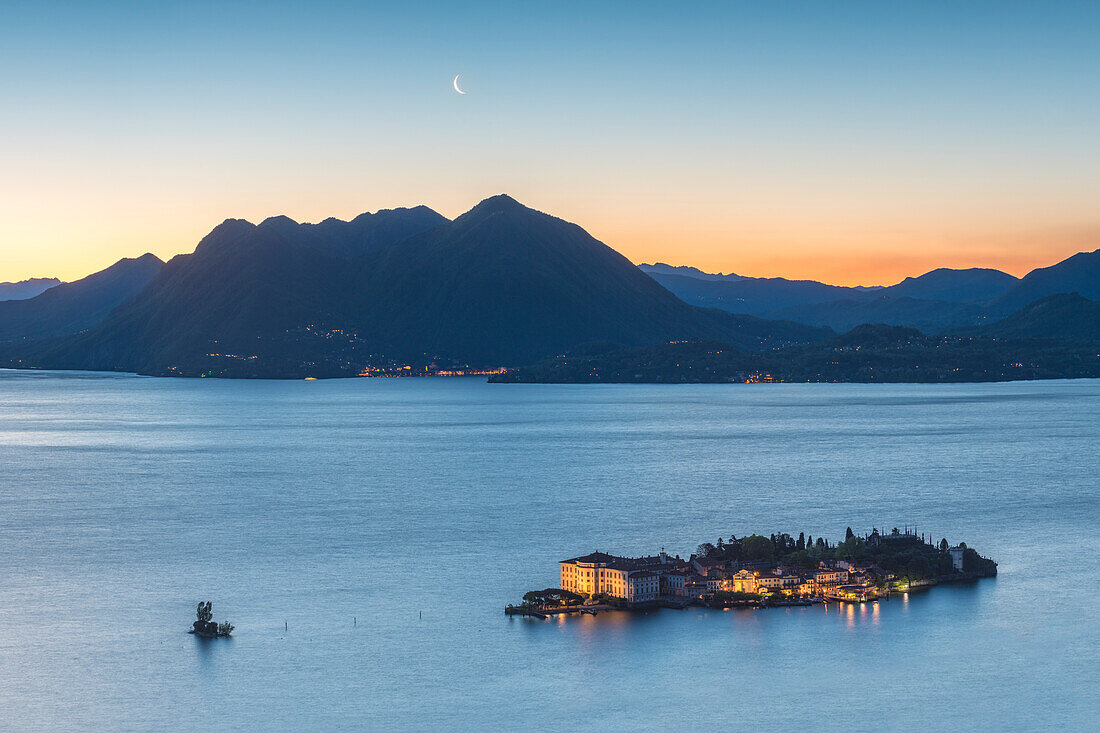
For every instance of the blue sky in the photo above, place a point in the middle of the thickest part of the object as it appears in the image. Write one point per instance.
(854, 143)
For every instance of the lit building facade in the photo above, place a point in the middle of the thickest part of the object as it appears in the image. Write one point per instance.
(634, 579)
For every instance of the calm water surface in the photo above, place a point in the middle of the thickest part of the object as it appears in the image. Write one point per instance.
(297, 507)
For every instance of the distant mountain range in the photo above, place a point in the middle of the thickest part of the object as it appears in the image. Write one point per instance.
(503, 285)
(939, 301)
(71, 307)
(1056, 336)
(26, 288)
(500, 285)
(660, 268)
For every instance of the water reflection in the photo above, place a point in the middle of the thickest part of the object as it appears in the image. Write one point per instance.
(209, 652)
(283, 482)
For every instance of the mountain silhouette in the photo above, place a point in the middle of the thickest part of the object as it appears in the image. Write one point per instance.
(972, 285)
(500, 285)
(269, 288)
(71, 307)
(751, 295)
(1077, 274)
(27, 288)
(777, 297)
(504, 284)
(660, 268)
(938, 301)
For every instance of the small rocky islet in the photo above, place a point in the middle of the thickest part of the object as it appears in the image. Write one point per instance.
(205, 626)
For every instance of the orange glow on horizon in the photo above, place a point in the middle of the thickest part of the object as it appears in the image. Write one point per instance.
(876, 252)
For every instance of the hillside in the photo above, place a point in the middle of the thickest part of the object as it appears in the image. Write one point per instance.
(1077, 274)
(1061, 316)
(72, 307)
(502, 284)
(866, 354)
(973, 285)
(26, 288)
(938, 301)
(251, 299)
(930, 316)
(755, 296)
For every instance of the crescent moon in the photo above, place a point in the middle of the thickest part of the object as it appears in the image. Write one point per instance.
(456, 84)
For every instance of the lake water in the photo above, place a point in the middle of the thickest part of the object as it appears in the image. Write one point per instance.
(364, 537)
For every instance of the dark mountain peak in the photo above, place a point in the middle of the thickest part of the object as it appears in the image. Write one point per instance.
(502, 213)
(232, 223)
(954, 270)
(145, 263)
(970, 285)
(1079, 273)
(281, 221)
(228, 231)
(334, 237)
(400, 212)
(502, 202)
(71, 307)
(662, 268)
(28, 288)
(1084, 256)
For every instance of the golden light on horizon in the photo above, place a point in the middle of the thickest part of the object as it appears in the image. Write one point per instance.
(92, 236)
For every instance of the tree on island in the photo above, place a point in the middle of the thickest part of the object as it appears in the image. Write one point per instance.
(204, 622)
(552, 597)
(705, 550)
(755, 547)
(848, 534)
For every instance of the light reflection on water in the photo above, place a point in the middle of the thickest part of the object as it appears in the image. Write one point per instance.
(123, 501)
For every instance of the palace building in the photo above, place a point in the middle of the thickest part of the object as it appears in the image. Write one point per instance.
(634, 579)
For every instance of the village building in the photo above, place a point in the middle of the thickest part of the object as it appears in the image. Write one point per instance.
(674, 582)
(957, 554)
(707, 565)
(743, 581)
(634, 579)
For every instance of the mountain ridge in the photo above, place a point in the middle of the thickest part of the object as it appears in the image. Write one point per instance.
(501, 284)
(24, 289)
(71, 307)
(938, 301)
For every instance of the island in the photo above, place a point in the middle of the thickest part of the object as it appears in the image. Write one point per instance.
(758, 571)
(205, 626)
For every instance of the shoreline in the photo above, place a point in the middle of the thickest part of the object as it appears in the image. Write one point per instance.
(680, 604)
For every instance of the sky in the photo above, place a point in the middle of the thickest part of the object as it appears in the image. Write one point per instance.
(855, 143)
